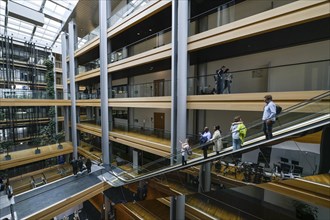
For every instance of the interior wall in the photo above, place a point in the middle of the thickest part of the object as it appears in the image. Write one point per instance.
(314, 76)
(144, 117)
(307, 154)
(119, 82)
(225, 118)
(146, 81)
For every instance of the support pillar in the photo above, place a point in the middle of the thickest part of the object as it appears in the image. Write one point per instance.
(324, 165)
(72, 34)
(66, 126)
(106, 207)
(205, 177)
(135, 160)
(179, 76)
(104, 83)
(177, 207)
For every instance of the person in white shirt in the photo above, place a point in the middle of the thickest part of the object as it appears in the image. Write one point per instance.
(217, 140)
(269, 116)
(184, 151)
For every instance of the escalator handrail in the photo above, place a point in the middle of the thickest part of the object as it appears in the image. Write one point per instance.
(251, 146)
(249, 125)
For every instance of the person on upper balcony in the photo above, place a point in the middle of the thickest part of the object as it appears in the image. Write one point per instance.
(269, 116)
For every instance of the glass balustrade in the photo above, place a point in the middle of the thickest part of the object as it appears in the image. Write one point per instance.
(125, 11)
(83, 95)
(307, 76)
(94, 64)
(118, 16)
(308, 113)
(148, 133)
(230, 12)
(26, 94)
(151, 42)
(243, 81)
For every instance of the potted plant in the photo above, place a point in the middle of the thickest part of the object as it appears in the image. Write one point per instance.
(36, 142)
(59, 137)
(7, 145)
(305, 211)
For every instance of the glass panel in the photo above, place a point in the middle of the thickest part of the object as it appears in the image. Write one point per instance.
(123, 12)
(315, 77)
(292, 121)
(153, 41)
(230, 12)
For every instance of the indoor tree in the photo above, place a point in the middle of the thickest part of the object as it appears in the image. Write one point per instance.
(6, 145)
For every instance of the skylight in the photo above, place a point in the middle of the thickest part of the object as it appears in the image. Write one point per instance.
(56, 13)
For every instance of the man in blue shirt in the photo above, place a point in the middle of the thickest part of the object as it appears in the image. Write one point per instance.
(269, 116)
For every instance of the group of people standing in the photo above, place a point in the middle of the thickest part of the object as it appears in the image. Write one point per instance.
(79, 166)
(238, 132)
(223, 79)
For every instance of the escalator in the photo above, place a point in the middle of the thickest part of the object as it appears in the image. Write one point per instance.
(299, 120)
(296, 121)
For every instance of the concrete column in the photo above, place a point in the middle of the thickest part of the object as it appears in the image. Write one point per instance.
(205, 177)
(104, 82)
(66, 126)
(182, 72)
(135, 159)
(174, 83)
(179, 91)
(72, 40)
(106, 208)
(177, 209)
(179, 76)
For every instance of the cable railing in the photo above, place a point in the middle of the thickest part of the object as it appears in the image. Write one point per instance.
(303, 115)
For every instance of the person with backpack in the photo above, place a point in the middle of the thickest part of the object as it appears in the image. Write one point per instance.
(269, 116)
(185, 149)
(238, 131)
(205, 137)
(217, 140)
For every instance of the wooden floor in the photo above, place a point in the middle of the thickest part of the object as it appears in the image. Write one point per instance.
(135, 134)
(151, 138)
(28, 156)
(321, 178)
(23, 183)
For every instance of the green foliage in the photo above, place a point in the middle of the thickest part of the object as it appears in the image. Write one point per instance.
(59, 137)
(49, 64)
(49, 131)
(304, 209)
(36, 142)
(51, 112)
(6, 145)
(50, 78)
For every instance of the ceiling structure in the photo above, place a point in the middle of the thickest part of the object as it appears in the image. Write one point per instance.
(56, 12)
